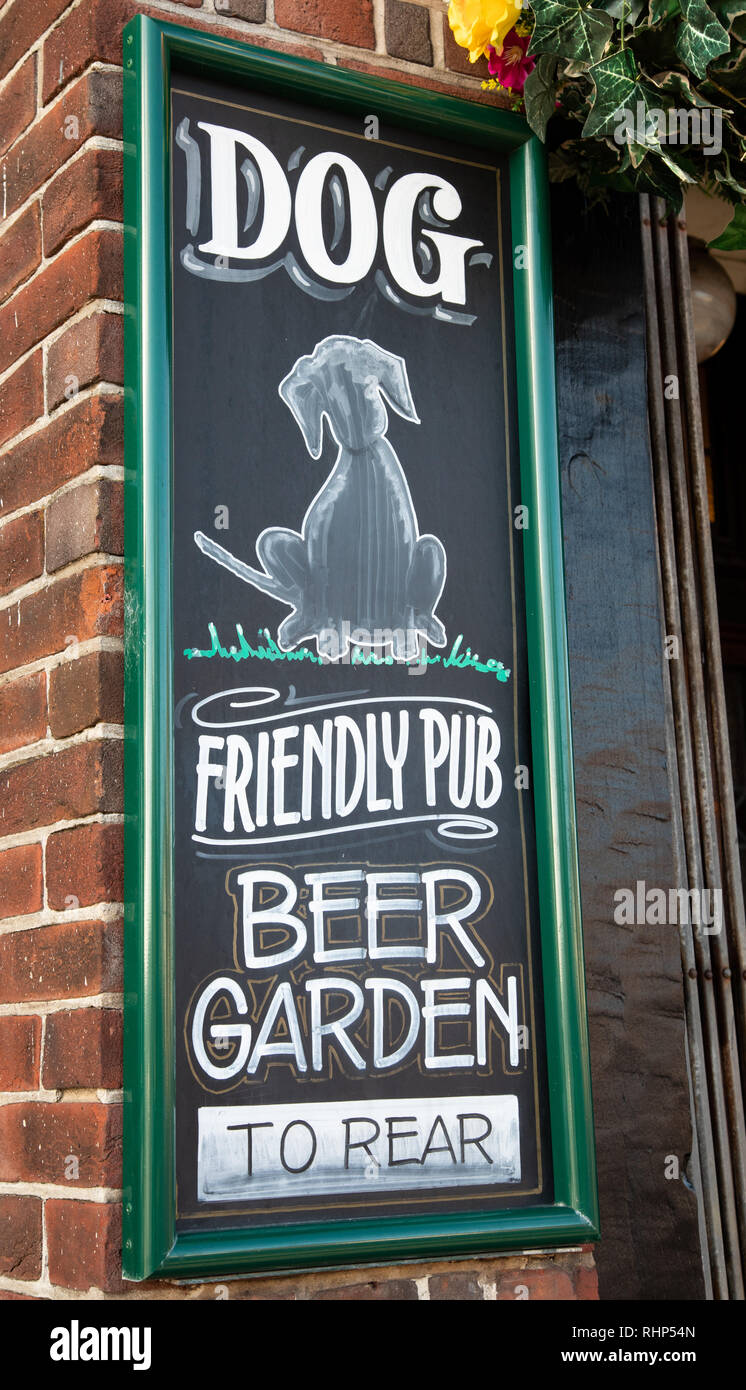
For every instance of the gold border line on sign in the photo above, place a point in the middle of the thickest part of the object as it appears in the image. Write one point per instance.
(332, 129)
(521, 818)
(431, 1197)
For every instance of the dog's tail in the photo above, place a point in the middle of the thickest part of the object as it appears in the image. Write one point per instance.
(258, 578)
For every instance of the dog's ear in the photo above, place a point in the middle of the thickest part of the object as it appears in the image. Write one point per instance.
(306, 402)
(394, 382)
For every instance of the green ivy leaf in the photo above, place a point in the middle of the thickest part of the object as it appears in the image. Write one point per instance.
(656, 178)
(540, 94)
(629, 10)
(724, 176)
(635, 155)
(678, 84)
(568, 31)
(734, 236)
(677, 166)
(654, 47)
(559, 169)
(700, 37)
(572, 69)
(661, 10)
(728, 10)
(618, 88)
(731, 75)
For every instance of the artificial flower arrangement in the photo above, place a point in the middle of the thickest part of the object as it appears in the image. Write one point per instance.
(643, 95)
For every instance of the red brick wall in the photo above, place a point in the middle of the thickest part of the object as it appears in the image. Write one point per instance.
(61, 616)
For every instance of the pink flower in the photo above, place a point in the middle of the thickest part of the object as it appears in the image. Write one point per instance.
(511, 67)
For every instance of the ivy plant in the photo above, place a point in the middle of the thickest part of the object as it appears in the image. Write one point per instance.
(643, 95)
(639, 95)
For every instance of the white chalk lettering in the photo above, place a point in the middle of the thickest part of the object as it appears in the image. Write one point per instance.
(241, 1031)
(432, 1011)
(266, 1151)
(355, 770)
(330, 178)
(254, 915)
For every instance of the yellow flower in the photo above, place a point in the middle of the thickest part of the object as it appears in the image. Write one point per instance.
(479, 24)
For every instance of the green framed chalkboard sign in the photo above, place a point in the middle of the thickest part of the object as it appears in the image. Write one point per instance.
(355, 1012)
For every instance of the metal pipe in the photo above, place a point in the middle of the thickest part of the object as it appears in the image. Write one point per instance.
(720, 978)
(735, 915)
(685, 836)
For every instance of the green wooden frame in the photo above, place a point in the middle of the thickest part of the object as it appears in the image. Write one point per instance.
(150, 1243)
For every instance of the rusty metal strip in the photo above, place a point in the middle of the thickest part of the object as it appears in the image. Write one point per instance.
(735, 915)
(690, 583)
(689, 855)
(712, 1083)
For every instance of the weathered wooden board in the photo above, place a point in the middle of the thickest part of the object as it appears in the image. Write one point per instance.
(650, 1246)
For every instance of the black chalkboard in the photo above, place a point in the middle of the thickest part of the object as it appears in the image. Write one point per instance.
(358, 993)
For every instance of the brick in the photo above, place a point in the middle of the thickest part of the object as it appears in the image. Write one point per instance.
(586, 1284)
(73, 609)
(74, 1142)
(286, 44)
(20, 1237)
(22, 24)
(91, 106)
(91, 269)
(90, 432)
(92, 31)
(83, 780)
(20, 1040)
(255, 11)
(85, 692)
(408, 32)
(89, 187)
(84, 1241)
(20, 1047)
(399, 1290)
(329, 19)
(455, 1286)
(83, 1048)
(21, 550)
(20, 251)
(252, 1296)
(23, 714)
(85, 519)
(457, 58)
(22, 397)
(543, 1285)
(21, 881)
(90, 351)
(68, 960)
(456, 86)
(86, 863)
(18, 103)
